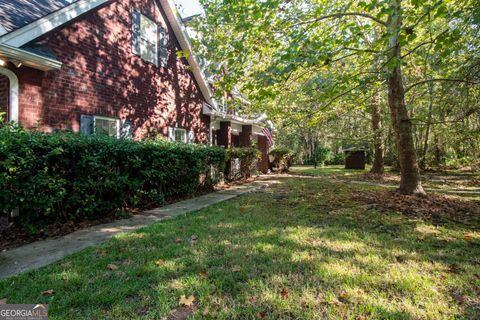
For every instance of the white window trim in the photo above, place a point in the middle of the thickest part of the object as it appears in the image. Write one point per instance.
(144, 38)
(13, 105)
(117, 122)
(185, 139)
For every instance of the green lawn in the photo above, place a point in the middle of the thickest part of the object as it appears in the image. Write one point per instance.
(302, 249)
(447, 180)
(338, 170)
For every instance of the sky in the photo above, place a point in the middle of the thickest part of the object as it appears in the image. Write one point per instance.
(188, 7)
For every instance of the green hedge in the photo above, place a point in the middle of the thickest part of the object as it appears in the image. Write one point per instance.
(248, 158)
(59, 177)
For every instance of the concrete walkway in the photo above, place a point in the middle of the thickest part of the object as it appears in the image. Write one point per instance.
(42, 253)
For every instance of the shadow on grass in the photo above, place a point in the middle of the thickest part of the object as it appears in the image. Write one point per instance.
(301, 250)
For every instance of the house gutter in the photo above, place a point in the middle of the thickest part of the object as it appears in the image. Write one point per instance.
(21, 57)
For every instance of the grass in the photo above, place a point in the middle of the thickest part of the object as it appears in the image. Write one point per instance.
(302, 249)
(448, 180)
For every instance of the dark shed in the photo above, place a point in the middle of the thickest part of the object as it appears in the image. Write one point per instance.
(355, 156)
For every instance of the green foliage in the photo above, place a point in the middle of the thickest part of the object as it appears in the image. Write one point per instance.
(336, 159)
(283, 158)
(315, 65)
(65, 176)
(320, 156)
(247, 157)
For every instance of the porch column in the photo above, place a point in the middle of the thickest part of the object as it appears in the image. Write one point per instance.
(263, 147)
(246, 136)
(224, 137)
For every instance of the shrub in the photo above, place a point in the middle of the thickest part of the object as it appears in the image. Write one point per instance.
(319, 157)
(336, 159)
(247, 159)
(283, 159)
(65, 176)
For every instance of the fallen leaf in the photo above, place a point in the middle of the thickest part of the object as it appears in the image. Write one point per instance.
(242, 210)
(188, 302)
(262, 315)
(343, 297)
(202, 275)
(178, 240)
(360, 318)
(48, 292)
(159, 262)
(103, 253)
(253, 299)
(284, 293)
(468, 237)
(205, 311)
(112, 267)
(336, 302)
(459, 298)
(236, 269)
(3, 301)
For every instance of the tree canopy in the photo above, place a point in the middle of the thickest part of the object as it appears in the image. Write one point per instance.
(319, 68)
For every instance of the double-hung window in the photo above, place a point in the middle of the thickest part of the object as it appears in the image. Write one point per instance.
(144, 37)
(104, 126)
(178, 135)
(98, 125)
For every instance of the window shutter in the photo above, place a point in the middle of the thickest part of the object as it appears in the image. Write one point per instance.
(86, 125)
(136, 32)
(126, 130)
(171, 134)
(191, 137)
(163, 47)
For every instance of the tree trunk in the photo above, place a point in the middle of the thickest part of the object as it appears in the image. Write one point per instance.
(423, 161)
(410, 182)
(378, 162)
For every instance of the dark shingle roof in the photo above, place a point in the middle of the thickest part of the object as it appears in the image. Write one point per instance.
(15, 14)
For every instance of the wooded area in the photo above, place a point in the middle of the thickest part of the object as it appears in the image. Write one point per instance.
(403, 76)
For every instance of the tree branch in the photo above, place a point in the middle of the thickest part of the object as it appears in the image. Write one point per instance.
(346, 14)
(440, 80)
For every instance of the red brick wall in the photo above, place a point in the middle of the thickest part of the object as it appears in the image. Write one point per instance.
(4, 93)
(263, 147)
(224, 137)
(246, 136)
(101, 76)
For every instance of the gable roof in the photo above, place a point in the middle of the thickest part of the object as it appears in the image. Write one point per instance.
(15, 14)
(22, 21)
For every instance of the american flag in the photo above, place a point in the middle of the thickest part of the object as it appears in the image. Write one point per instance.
(268, 133)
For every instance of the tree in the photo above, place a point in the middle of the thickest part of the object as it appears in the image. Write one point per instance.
(264, 44)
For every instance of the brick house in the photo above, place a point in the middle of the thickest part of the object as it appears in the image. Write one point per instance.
(119, 67)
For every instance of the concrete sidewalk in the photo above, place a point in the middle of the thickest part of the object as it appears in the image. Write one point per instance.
(42, 253)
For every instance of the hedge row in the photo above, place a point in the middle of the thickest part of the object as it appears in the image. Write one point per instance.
(247, 161)
(58, 177)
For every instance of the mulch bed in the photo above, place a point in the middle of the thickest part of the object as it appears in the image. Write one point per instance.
(13, 236)
(434, 207)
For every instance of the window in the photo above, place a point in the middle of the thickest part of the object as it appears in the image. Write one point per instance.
(180, 135)
(100, 126)
(144, 37)
(106, 126)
